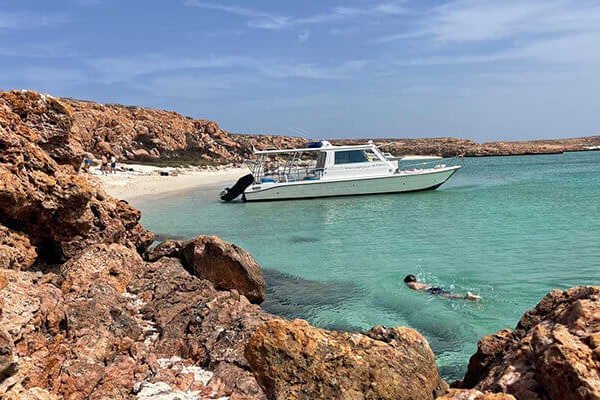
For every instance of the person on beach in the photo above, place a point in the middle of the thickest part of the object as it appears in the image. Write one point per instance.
(113, 164)
(104, 165)
(86, 164)
(411, 282)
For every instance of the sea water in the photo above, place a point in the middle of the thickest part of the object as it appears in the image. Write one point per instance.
(508, 228)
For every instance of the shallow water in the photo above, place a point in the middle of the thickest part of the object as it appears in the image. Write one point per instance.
(508, 228)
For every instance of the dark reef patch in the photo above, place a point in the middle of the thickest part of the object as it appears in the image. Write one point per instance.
(304, 239)
(292, 297)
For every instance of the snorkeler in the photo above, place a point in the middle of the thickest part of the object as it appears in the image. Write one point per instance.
(412, 283)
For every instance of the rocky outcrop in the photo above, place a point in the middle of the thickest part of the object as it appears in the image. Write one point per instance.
(464, 394)
(109, 325)
(16, 251)
(226, 265)
(450, 147)
(552, 354)
(44, 201)
(8, 363)
(68, 128)
(292, 360)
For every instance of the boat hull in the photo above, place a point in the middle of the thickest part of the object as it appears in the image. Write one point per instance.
(397, 183)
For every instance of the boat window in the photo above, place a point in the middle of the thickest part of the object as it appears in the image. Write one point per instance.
(351, 156)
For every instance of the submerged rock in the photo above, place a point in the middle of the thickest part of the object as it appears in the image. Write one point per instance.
(296, 360)
(554, 352)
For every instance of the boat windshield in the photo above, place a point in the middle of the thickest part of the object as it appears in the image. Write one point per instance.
(354, 156)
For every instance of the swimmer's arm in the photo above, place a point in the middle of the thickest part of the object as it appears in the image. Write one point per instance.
(418, 286)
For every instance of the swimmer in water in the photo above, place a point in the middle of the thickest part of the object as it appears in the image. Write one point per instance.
(412, 283)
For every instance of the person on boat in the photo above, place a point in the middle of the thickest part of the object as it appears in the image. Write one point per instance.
(411, 282)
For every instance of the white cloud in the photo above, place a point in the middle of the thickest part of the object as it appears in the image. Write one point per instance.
(112, 70)
(260, 19)
(41, 76)
(270, 21)
(117, 69)
(345, 70)
(28, 21)
(555, 33)
(49, 49)
(303, 36)
(466, 21)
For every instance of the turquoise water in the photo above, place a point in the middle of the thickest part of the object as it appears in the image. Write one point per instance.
(508, 228)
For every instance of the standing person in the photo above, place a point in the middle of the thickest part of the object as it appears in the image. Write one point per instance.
(87, 163)
(104, 165)
(411, 282)
(113, 164)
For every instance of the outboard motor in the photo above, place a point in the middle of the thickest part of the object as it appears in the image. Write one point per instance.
(231, 193)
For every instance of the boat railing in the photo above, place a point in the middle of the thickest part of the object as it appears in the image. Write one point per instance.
(416, 164)
(277, 173)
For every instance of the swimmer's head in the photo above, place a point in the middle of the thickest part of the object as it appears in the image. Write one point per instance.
(410, 278)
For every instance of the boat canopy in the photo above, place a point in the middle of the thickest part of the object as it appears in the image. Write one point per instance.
(325, 145)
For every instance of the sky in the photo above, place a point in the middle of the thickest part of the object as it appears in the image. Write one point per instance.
(480, 70)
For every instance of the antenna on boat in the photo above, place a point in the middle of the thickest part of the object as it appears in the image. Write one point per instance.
(302, 133)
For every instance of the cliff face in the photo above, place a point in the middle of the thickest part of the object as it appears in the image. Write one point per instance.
(68, 128)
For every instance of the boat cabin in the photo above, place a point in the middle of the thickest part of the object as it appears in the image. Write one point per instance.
(319, 161)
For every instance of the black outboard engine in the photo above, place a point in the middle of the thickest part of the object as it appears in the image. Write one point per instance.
(231, 193)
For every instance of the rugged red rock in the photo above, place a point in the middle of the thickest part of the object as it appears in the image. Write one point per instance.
(226, 265)
(16, 251)
(8, 364)
(109, 324)
(293, 360)
(57, 210)
(67, 128)
(82, 315)
(552, 353)
(465, 394)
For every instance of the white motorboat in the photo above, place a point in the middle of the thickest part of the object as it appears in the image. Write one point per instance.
(324, 170)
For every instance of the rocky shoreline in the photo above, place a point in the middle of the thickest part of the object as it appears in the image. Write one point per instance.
(88, 310)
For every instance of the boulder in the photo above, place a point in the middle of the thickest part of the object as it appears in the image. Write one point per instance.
(226, 265)
(293, 360)
(552, 354)
(111, 263)
(167, 248)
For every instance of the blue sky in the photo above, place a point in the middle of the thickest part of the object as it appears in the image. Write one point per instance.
(480, 70)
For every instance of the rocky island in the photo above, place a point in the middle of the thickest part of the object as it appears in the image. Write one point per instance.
(89, 310)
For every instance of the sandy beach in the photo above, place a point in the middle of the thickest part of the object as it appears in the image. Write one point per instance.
(138, 182)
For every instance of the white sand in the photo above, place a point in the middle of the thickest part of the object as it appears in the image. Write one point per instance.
(143, 181)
